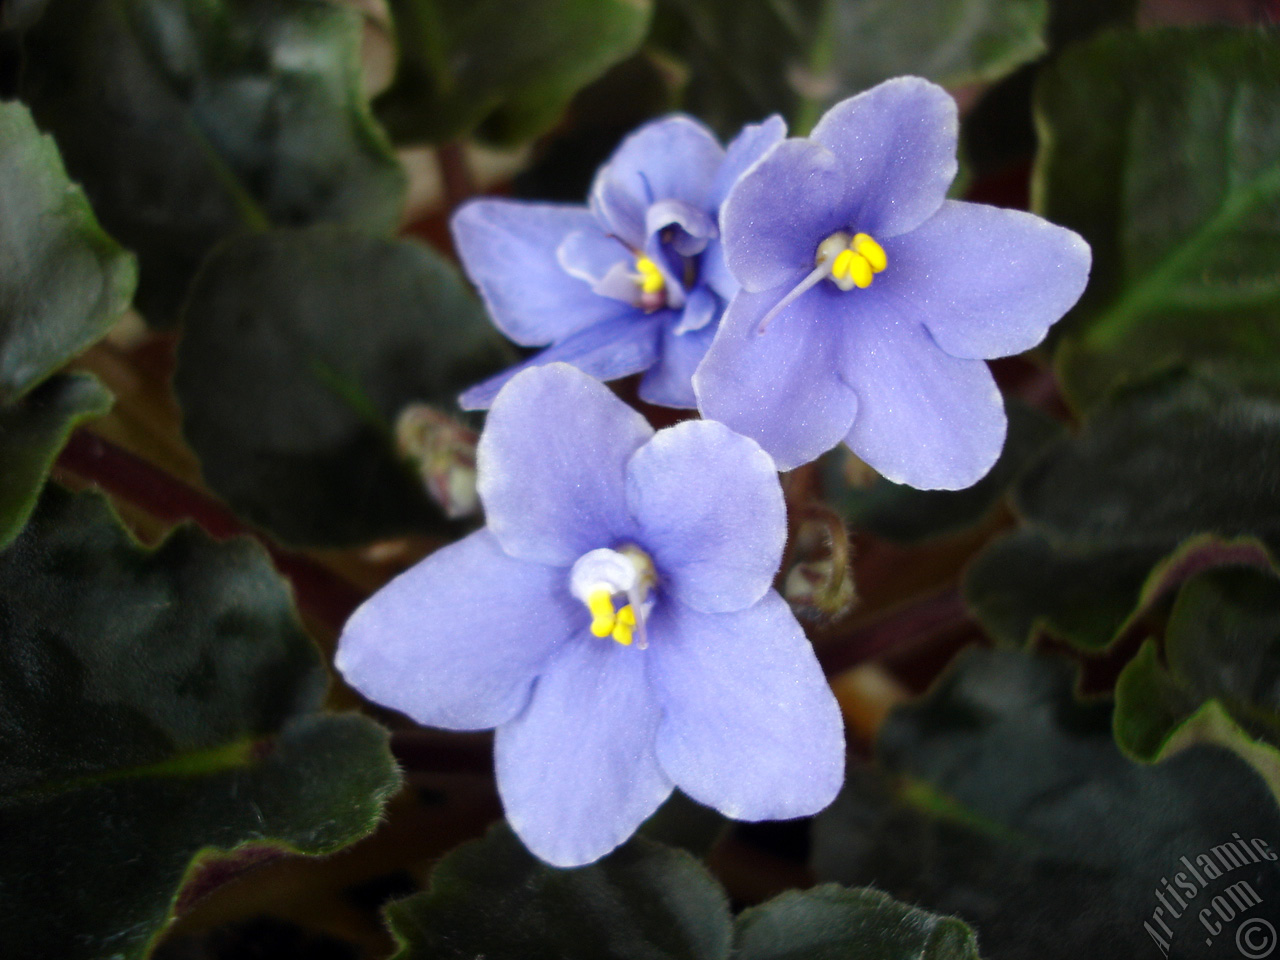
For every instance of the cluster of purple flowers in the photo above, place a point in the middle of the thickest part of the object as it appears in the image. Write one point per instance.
(615, 621)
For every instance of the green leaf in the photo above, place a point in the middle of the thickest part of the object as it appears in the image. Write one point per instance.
(1163, 149)
(301, 348)
(505, 71)
(63, 282)
(492, 898)
(832, 923)
(189, 120)
(32, 432)
(1161, 466)
(1010, 806)
(1218, 680)
(797, 57)
(907, 515)
(156, 708)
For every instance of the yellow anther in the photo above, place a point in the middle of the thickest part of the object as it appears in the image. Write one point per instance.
(870, 250)
(603, 619)
(851, 270)
(651, 279)
(625, 626)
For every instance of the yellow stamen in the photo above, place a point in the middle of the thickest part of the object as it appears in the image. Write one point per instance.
(603, 619)
(650, 277)
(625, 626)
(872, 251)
(851, 270)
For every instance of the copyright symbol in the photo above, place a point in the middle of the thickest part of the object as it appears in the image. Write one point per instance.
(1255, 938)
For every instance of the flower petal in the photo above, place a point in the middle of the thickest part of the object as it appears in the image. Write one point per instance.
(699, 310)
(675, 158)
(987, 282)
(589, 254)
(897, 146)
(551, 465)
(457, 640)
(710, 512)
(576, 770)
(751, 143)
(669, 382)
(925, 418)
(781, 388)
(692, 226)
(613, 348)
(749, 725)
(780, 211)
(508, 249)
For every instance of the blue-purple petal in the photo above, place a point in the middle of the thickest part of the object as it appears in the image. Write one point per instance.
(576, 771)
(987, 282)
(508, 249)
(457, 640)
(709, 510)
(589, 254)
(925, 418)
(675, 158)
(669, 382)
(778, 213)
(781, 388)
(618, 347)
(691, 228)
(749, 725)
(551, 465)
(897, 146)
(751, 143)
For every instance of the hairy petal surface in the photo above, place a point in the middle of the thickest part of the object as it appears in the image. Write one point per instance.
(551, 465)
(457, 640)
(710, 512)
(896, 144)
(779, 212)
(781, 388)
(509, 250)
(576, 771)
(925, 418)
(751, 143)
(615, 347)
(749, 725)
(675, 158)
(987, 282)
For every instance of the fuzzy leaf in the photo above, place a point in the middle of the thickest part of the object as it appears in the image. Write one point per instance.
(1163, 149)
(301, 348)
(156, 707)
(190, 120)
(63, 282)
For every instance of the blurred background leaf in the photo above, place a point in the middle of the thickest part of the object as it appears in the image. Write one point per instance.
(1006, 802)
(63, 282)
(190, 120)
(798, 57)
(156, 708)
(504, 72)
(1185, 228)
(301, 349)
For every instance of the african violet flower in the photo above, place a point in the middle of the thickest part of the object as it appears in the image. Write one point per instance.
(869, 301)
(615, 621)
(636, 282)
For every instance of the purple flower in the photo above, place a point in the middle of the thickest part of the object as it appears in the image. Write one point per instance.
(615, 621)
(637, 281)
(869, 301)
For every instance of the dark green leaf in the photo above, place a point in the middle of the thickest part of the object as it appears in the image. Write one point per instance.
(1163, 149)
(1013, 809)
(797, 57)
(188, 120)
(301, 349)
(832, 923)
(155, 708)
(509, 70)
(1218, 680)
(32, 432)
(904, 514)
(1074, 20)
(63, 282)
(492, 898)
